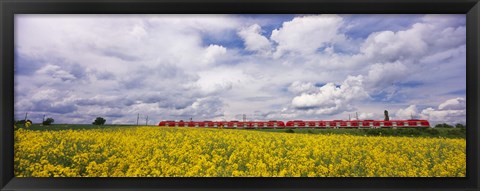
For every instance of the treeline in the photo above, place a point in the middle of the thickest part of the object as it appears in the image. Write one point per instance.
(49, 121)
(444, 125)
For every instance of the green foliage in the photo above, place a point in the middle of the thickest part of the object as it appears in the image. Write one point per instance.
(443, 125)
(289, 131)
(386, 115)
(459, 125)
(48, 121)
(22, 122)
(400, 132)
(99, 121)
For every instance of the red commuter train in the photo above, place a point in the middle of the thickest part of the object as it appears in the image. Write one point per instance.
(322, 124)
(226, 124)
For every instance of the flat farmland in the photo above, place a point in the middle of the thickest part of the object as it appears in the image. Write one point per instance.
(150, 151)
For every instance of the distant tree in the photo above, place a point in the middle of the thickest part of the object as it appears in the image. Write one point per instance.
(28, 123)
(99, 121)
(20, 122)
(459, 125)
(443, 125)
(386, 115)
(48, 121)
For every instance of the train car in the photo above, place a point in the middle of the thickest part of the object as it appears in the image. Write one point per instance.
(258, 124)
(237, 124)
(167, 123)
(360, 124)
(207, 124)
(311, 124)
(253, 124)
(182, 124)
(364, 124)
(351, 124)
(332, 124)
(273, 124)
(415, 123)
(162, 123)
(295, 124)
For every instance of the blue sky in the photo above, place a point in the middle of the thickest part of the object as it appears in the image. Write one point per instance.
(74, 68)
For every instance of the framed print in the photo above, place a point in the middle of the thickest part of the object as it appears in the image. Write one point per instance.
(269, 95)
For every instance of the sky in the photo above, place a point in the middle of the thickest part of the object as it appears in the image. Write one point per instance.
(74, 68)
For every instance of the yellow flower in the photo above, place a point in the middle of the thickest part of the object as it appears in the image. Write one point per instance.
(200, 152)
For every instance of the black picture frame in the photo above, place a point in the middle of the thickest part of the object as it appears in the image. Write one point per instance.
(8, 8)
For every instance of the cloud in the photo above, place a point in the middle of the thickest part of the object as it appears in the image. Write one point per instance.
(407, 113)
(216, 66)
(332, 99)
(453, 104)
(391, 46)
(451, 111)
(254, 40)
(306, 34)
(364, 116)
(298, 87)
(213, 52)
(56, 72)
(50, 100)
(383, 75)
(444, 116)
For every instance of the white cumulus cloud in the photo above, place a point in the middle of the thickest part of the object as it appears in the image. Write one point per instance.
(254, 40)
(332, 99)
(407, 113)
(453, 104)
(307, 34)
(451, 111)
(213, 53)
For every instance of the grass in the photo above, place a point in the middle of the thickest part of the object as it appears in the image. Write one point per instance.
(410, 132)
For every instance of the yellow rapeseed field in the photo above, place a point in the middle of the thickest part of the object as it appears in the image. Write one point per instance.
(193, 152)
